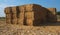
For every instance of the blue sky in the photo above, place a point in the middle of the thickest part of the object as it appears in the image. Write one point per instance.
(44, 3)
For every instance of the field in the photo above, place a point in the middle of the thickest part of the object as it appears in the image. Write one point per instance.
(46, 29)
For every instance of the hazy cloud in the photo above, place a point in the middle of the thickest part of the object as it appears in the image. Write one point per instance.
(2, 6)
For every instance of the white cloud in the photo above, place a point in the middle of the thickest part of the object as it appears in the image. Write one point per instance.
(2, 6)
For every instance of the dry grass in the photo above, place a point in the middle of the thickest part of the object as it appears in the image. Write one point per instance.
(9, 29)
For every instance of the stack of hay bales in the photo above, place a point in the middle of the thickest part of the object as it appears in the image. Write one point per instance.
(52, 14)
(8, 14)
(14, 15)
(30, 14)
(21, 13)
(11, 15)
(35, 14)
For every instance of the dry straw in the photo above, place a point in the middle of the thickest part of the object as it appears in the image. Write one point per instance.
(30, 14)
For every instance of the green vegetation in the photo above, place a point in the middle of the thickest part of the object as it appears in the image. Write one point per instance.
(58, 13)
(2, 18)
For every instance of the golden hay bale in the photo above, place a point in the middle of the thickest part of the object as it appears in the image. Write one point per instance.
(29, 22)
(29, 15)
(8, 10)
(8, 16)
(32, 7)
(8, 21)
(14, 16)
(52, 10)
(29, 7)
(14, 10)
(20, 21)
(22, 8)
(52, 15)
(14, 21)
(21, 18)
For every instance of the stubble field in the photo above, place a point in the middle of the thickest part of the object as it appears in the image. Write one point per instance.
(10, 29)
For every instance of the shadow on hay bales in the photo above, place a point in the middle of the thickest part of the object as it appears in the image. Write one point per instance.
(50, 20)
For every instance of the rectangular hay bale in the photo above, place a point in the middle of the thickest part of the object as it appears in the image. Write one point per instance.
(14, 21)
(8, 21)
(52, 15)
(14, 15)
(8, 16)
(21, 18)
(14, 10)
(7, 10)
(21, 21)
(29, 16)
